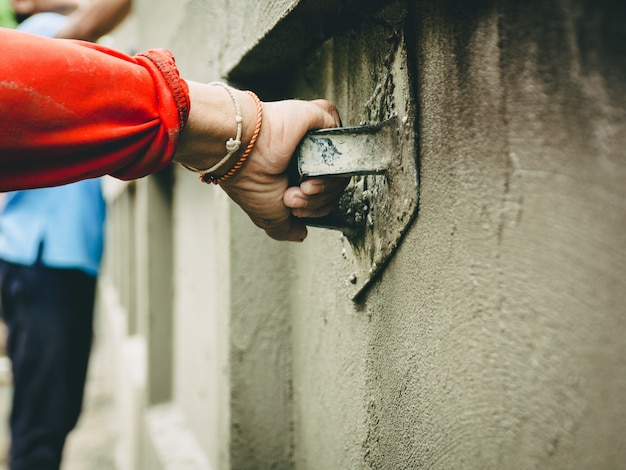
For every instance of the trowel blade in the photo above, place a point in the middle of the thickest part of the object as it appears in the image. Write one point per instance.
(348, 151)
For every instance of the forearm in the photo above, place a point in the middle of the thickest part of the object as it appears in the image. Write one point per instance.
(95, 19)
(74, 110)
(71, 110)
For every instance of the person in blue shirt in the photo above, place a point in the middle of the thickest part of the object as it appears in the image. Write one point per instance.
(51, 243)
(50, 249)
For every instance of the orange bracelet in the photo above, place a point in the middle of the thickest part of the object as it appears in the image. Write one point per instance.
(207, 178)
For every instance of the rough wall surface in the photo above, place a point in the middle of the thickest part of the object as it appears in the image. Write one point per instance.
(518, 250)
(231, 353)
(496, 335)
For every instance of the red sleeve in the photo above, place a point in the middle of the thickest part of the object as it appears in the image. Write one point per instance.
(71, 110)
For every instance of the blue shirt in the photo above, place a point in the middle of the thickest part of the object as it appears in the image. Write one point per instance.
(43, 24)
(65, 222)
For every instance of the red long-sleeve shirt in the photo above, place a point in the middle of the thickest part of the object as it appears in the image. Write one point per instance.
(71, 110)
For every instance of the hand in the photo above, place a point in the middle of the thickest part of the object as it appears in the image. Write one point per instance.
(261, 186)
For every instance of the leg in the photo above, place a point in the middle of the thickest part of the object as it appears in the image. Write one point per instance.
(80, 338)
(49, 342)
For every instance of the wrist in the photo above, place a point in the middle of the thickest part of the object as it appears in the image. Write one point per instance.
(212, 123)
(216, 174)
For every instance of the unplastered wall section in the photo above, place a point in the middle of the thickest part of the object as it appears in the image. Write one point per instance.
(230, 324)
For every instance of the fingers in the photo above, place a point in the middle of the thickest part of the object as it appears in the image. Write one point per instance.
(260, 188)
(313, 186)
(314, 197)
(292, 231)
(283, 229)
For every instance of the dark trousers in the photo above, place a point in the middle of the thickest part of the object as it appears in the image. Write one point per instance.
(49, 314)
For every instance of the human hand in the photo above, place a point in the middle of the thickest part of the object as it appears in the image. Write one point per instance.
(261, 186)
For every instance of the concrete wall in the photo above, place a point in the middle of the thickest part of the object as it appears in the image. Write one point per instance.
(494, 337)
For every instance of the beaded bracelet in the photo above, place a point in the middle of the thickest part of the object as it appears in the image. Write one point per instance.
(208, 178)
(232, 145)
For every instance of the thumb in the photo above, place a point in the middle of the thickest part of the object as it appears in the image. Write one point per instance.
(328, 118)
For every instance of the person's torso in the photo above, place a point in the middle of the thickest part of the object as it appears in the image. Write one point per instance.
(61, 227)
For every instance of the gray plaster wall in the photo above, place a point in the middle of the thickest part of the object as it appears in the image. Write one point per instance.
(521, 240)
(495, 336)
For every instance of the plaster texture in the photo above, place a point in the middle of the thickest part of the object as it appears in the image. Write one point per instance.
(495, 336)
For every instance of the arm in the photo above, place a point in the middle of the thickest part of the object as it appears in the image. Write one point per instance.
(71, 110)
(95, 19)
(260, 187)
